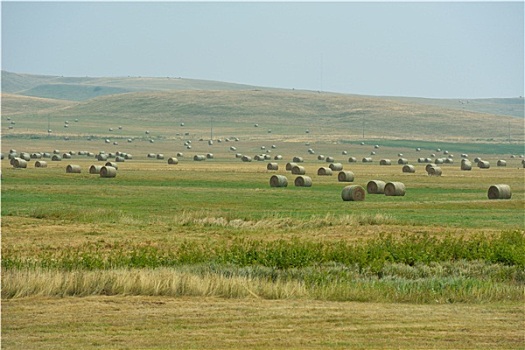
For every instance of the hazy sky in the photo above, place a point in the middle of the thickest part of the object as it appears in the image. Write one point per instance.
(452, 49)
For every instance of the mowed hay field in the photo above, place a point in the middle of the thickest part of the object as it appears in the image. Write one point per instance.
(205, 254)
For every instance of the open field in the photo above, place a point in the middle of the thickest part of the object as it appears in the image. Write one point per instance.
(205, 254)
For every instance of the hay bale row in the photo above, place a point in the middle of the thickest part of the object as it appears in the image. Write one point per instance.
(303, 181)
(353, 193)
(500, 191)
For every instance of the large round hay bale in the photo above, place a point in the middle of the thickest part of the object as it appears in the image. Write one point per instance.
(385, 162)
(502, 162)
(345, 176)
(321, 157)
(40, 164)
(246, 159)
(439, 161)
(336, 166)
(278, 181)
(160, 156)
(19, 163)
(329, 159)
(298, 170)
(209, 156)
(128, 156)
(499, 192)
(466, 164)
(395, 189)
(375, 187)
(303, 181)
(151, 155)
(402, 161)
(407, 168)
(434, 171)
(36, 155)
(66, 156)
(173, 160)
(297, 159)
(290, 165)
(120, 159)
(199, 157)
(56, 158)
(112, 164)
(366, 160)
(278, 157)
(483, 164)
(108, 171)
(95, 169)
(428, 166)
(352, 159)
(73, 169)
(353, 193)
(25, 156)
(272, 166)
(324, 171)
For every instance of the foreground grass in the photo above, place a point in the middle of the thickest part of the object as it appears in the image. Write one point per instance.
(248, 323)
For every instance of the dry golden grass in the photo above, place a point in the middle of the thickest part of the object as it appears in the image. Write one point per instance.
(214, 323)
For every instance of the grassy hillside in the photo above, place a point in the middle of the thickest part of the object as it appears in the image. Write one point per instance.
(85, 88)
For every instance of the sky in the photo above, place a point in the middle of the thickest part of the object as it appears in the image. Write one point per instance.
(417, 49)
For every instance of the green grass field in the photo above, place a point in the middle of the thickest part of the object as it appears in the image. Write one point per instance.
(208, 252)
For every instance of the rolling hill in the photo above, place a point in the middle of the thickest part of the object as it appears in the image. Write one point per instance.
(160, 105)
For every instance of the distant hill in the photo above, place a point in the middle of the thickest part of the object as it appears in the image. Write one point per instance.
(81, 89)
(160, 105)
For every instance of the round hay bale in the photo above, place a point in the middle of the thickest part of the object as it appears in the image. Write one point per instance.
(428, 166)
(199, 157)
(246, 159)
(128, 156)
(395, 189)
(173, 160)
(402, 161)
(345, 176)
(95, 169)
(421, 160)
(46, 155)
(385, 162)
(73, 169)
(375, 187)
(278, 181)
(102, 157)
(66, 156)
(367, 160)
(19, 163)
(483, 164)
(466, 164)
(112, 164)
(434, 171)
(353, 193)
(108, 171)
(329, 159)
(501, 162)
(180, 154)
(36, 155)
(449, 161)
(477, 160)
(160, 156)
(209, 156)
(324, 171)
(56, 158)
(321, 157)
(297, 159)
(278, 157)
(298, 170)
(272, 166)
(152, 155)
(303, 181)
(499, 192)
(120, 159)
(439, 161)
(464, 155)
(40, 164)
(290, 165)
(407, 168)
(336, 166)
(352, 159)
